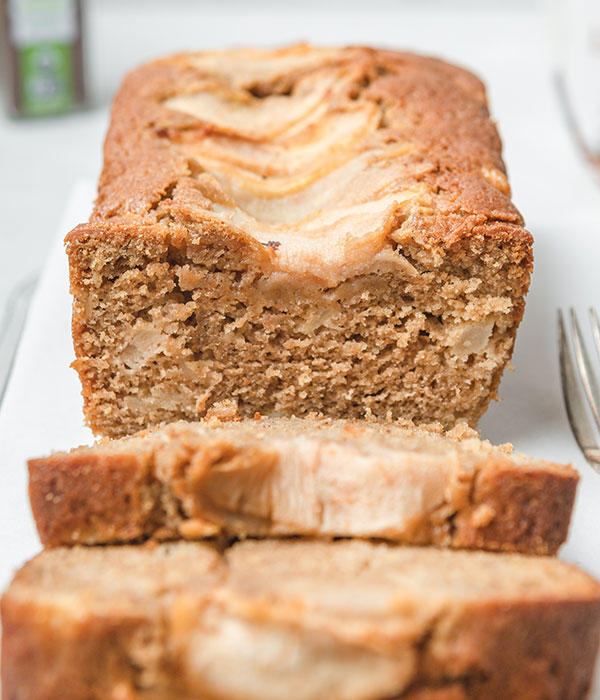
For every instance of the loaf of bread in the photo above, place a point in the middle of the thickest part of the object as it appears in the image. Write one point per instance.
(302, 230)
(345, 620)
(318, 477)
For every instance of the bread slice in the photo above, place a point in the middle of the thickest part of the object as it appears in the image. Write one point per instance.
(303, 230)
(318, 476)
(302, 620)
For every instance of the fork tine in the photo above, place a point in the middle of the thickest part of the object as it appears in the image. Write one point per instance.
(595, 329)
(586, 372)
(574, 402)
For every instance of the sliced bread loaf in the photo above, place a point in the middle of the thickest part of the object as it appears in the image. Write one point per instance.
(304, 620)
(317, 477)
(304, 229)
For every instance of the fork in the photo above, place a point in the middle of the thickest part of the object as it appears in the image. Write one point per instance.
(574, 374)
(11, 328)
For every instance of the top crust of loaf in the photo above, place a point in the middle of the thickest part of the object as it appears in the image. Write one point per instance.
(322, 163)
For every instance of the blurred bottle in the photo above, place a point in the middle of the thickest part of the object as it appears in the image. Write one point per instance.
(43, 56)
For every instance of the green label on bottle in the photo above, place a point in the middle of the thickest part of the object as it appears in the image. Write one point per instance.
(46, 78)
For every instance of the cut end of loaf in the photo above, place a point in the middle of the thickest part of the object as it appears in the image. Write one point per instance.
(164, 334)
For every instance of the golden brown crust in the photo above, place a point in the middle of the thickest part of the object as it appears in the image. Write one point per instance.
(502, 503)
(98, 496)
(529, 631)
(190, 481)
(90, 662)
(517, 654)
(439, 107)
(454, 691)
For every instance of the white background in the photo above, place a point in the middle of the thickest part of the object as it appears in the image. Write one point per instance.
(507, 44)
